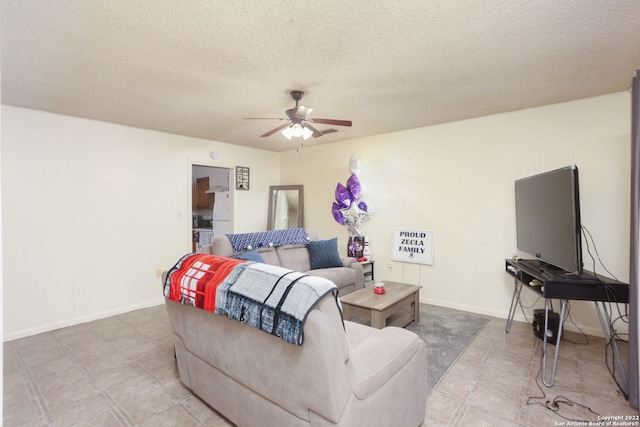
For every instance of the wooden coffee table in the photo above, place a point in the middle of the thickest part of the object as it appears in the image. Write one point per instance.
(398, 306)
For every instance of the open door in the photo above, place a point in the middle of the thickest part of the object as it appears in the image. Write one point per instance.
(211, 204)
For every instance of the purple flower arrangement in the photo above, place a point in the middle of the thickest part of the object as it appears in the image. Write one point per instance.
(350, 209)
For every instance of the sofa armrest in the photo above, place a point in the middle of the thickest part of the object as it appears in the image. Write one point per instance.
(353, 263)
(374, 361)
(347, 261)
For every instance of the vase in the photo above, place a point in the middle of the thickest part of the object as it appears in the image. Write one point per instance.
(355, 246)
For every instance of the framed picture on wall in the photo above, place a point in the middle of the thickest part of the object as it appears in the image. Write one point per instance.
(242, 178)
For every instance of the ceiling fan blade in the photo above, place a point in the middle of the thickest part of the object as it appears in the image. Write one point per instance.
(303, 111)
(272, 131)
(316, 132)
(300, 112)
(331, 122)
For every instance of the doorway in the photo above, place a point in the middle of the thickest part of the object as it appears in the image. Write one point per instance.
(211, 204)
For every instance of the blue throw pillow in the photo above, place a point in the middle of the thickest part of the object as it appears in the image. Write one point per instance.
(252, 255)
(324, 254)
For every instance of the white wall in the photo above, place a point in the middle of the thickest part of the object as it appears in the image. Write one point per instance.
(457, 179)
(91, 210)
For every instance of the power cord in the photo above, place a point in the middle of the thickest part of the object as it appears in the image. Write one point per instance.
(607, 306)
(586, 231)
(522, 307)
(555, 404)
(585, 336)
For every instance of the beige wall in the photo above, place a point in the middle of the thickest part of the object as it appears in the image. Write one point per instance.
(457, 180)
(91, 210)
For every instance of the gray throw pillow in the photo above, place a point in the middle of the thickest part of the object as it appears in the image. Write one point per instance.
(252, 255)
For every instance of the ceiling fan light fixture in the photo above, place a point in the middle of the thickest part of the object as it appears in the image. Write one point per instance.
(297, 130)
(288, 132)
(306, 132)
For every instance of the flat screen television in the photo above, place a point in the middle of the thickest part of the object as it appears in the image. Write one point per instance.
(548, 218)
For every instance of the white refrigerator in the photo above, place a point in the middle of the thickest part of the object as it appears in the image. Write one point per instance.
(221, 219)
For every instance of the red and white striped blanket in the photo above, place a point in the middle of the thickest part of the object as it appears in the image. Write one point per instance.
(271, 298)
(195, 278)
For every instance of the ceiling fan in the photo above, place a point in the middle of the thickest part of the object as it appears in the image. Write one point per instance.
(298, 122)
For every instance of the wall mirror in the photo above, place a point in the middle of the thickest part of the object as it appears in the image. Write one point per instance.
(286, 207)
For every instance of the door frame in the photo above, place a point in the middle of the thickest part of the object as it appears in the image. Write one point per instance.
(231, 169)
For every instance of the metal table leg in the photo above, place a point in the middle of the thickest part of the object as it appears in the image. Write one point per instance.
(607, 329)
(517, 288)
(563, 311)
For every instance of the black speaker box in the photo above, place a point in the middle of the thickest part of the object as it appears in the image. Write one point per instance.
(551, 333)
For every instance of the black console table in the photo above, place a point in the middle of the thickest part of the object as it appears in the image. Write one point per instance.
(555, 283)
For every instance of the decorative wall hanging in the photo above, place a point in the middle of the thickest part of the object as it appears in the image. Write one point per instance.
(242, 178)
(412, 246)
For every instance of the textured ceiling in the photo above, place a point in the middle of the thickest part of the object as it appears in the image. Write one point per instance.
(198, 68)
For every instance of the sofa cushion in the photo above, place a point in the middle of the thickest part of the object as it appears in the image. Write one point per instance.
(340, 276)
(269, 255)
(324, 254)
(251, 255)
(294, 257)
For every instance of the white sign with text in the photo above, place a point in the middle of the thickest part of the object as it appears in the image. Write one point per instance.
(412, 246)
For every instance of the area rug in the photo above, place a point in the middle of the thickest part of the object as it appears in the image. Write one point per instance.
(447, 334)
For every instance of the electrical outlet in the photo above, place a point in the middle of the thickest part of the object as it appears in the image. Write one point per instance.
(158, 273)
(390, 266)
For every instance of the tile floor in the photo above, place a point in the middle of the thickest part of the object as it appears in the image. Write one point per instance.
(120, 371)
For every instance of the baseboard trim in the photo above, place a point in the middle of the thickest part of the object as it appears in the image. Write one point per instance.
(518, 317)
(80, 320)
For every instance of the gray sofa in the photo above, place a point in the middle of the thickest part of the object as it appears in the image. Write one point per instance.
(349, 277)
(345, 374)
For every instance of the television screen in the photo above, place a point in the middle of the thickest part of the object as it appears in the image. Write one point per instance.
(548, 218)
